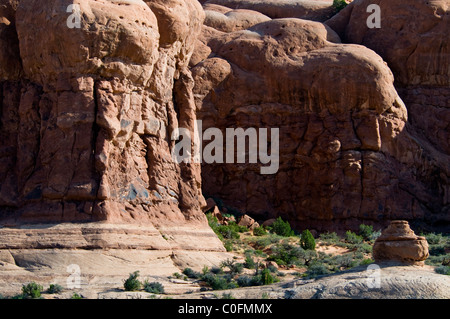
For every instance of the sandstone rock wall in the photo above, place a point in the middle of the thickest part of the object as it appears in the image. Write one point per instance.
(87, 114)
(86, 132)
(349, 152)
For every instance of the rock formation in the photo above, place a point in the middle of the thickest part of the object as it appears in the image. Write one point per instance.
(317, 10)
(398, 243)
(349, 152)
(87, 115)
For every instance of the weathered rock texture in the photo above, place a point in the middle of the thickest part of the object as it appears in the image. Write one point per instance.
(317, 10)
(398, 243)
(227, 20)
(87, 116)
(346, 156)
(418, 52)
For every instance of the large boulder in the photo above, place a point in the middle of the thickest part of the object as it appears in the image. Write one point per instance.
(398, 243)
(317, 10)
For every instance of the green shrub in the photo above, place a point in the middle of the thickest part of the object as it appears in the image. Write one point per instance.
(437, 250)
(434, 239)
(132, 283)
(283, 254)
(329, 238)
(263, 242)
(366, 261)
(228, 246)
(443, 270)
(245, 281)
(266, 277)
(352, 238)
(32, 290)
(307, 241)
(259, 231)
(228, 295)
(76, 296)
(366, 231)
(154, 287)
(177, 275)
(227, 232)
(339, 5)
(216, 270)
(345, 261)
(219, 282)
(282, 228)
(287, 254)
(249, 262)
(364, 248)
(55, 289)
(235, 268)
(191, 273)
(316, 269)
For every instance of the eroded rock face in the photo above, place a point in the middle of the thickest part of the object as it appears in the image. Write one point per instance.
(227, 20)
(413, 40)
(398, 243)
(317, 10)
(86, 130)
(345, 156)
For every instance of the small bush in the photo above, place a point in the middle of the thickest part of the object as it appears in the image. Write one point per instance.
(132, 283)
(76, 296)
(228, 232)
(307, 241)
(437, 250)
(339, 5)
(366, 231)
(329, 238)
(282, 228)
(191, 273)
(54, 289)
(366, 261)
(216, 270)
(352, 238)
(228, 246)
(263, 242)
(245, 281)
(266, 277)
(177, 275)
(249, 262)
(434, 239)
(317, 269)
(235, 268)
(259, 231)
(32, 290)
(218, 282)
(443, 270)
(228, 296)
(345, 261)
(154, 287)
(286, 254)
(364, 248)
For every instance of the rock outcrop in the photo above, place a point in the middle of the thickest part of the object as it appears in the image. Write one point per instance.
(317, 10)
(398, 243)
(346, 155)
(88, 109)
(227, 20)
(417, 51)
